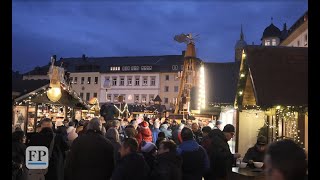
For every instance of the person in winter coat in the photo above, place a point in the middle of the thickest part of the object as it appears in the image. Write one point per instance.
(221, 158)
(91, 155)
(168, 164)
(18, 156)
(113, 135)
(132, 165)
(194, 157)
(161, 137)
(167, 132)
(155, 130)
(177, 133)
(197, 132)
(144, 133)
(257, 152)
(149, 152)
(44, 138)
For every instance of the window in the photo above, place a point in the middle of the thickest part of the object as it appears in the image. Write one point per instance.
(129, 81)
(136, 98)
(274, 42)
(137, 82)
(151, 97)
(145, 81)
(95, 80)
(306, 39)
(106, 83)
(95, 95)
(115, 97)
(114, 81)
(167, 77)
(298, 43)
(88, 96)
(153, 81)
(75, 80)
(176, 77)
(89, 80)
(267, 42)
(109, 97)
(174, 67)
(176, 89)
(166, 101)
(121, 81)
(81, 95)
(144, 97)
(166, 89)
(82, 80)
(71, 80)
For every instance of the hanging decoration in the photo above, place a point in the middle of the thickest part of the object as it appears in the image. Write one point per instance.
(54, 92)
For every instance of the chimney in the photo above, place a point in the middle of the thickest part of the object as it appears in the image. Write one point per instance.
(83, 57)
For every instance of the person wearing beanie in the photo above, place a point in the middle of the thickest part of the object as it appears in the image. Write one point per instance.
(149, 152)
(221, 158)
(144, 133)
(165, 128)
(257, 152)
(155, 130)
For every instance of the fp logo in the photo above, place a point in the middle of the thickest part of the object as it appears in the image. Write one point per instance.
(37, 157)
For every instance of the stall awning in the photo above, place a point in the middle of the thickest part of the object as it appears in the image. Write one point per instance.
(69, 98)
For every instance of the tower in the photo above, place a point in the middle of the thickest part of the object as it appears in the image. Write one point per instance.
(189, 76)
(240, 44)
(271, 35)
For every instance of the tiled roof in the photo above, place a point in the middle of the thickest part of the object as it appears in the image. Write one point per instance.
(279, 74)
(26, 86)
(221, 82)
(102, 64)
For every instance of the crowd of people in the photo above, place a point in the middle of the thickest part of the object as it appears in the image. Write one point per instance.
(146, 149)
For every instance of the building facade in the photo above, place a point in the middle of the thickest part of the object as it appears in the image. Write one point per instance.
(86, 84)
(298, 33)
(169, 88)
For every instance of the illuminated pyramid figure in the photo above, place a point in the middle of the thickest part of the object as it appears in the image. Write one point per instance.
(189, 76)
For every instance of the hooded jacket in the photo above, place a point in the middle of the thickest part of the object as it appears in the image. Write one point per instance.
(167, 166)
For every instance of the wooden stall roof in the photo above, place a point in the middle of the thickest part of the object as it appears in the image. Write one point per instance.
(279, 75)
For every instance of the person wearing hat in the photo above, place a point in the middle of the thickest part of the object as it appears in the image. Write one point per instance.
(149, 152)
(257, 152)
(218, 125)
(221, 158)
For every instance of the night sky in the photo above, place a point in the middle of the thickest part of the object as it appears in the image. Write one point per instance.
(102, 29)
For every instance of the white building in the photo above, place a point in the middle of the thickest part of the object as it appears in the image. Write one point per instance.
(134, 87)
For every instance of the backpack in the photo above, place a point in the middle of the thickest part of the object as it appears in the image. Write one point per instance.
(39, 174)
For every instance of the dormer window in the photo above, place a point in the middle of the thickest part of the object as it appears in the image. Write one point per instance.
(267, 43)
(274, 42)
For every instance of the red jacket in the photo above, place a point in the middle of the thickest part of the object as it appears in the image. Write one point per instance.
(145, 134)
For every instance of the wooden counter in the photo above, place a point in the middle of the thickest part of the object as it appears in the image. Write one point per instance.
(246, 173)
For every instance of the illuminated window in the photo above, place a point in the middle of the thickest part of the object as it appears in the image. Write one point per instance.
(109, 97)
(174, 67)
(95, 80)
(115, 97)
(274, 42)
(75, 80)
(136, 97)
(167, 77)
(267, 43)
(89, 80)
(151, 97)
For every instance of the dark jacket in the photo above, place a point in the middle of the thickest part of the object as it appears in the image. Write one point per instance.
(167, 166)
(18, 158)
(56, 162)
(116, 146)
(149, 158)
(253, 154)
(91, 157)
(131, 167)
(195, 160)
(221, 158)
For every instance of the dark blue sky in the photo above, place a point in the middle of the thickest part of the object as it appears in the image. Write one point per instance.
(101, 29)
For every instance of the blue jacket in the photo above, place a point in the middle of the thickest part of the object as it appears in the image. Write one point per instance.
(195, 160)
(155, 132)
